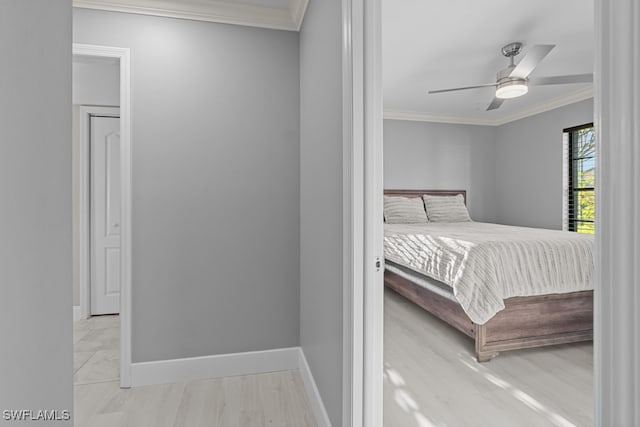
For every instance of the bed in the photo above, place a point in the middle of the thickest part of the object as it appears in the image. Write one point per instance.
(551, 316)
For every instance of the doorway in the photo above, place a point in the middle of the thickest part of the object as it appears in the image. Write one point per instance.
(103, 162)
(449, 164)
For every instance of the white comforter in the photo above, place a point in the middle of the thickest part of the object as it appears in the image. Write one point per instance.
(487, 263)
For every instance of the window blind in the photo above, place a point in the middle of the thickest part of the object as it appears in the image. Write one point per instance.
(581, 178)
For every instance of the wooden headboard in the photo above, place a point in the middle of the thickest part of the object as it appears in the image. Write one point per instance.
(420, 193)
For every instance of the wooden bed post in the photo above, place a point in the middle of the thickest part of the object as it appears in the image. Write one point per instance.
(482, 354)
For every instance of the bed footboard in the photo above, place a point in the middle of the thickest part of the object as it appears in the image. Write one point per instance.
(536, 321)
(525, 322)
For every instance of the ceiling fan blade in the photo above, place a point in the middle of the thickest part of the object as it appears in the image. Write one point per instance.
(562, 80)
(496, 103)
(460, 88)
(531, 60)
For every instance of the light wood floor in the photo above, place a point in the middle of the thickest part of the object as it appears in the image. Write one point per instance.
(431, 378)
(272, 399)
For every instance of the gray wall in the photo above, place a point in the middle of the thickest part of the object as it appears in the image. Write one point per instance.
(215, 118)
(529, 166)
(95, 82)
(512, 173)
(321, 199)
(35, 189)
(421, 155)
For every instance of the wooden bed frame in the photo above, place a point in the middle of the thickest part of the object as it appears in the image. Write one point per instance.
(525, 322)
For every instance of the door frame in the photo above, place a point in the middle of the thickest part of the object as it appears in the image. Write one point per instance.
(363, 262)
(123, 55)
(361, 45)
(84, 200)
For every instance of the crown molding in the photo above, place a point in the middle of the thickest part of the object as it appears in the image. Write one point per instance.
(297, 8)
(552, 104)
(415, 116)
(224, 12)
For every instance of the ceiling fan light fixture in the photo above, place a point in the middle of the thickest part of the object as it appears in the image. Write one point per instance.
(511, 88)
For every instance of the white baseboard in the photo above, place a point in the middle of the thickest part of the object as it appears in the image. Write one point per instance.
(218, 366)
(317, 406)
(76, 313)
(228, 365)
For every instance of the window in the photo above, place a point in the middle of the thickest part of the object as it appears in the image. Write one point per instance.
(581, 179)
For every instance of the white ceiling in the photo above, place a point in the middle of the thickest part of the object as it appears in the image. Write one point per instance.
(431, 45)
(276, 14)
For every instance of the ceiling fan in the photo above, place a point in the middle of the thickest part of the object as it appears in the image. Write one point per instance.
(514, 81)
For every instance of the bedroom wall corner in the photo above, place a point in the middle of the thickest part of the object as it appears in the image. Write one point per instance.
(425, 155)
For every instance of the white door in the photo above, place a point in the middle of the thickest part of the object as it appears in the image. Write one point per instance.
(105, 215)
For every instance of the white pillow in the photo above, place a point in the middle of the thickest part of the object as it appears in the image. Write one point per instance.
(446, 208)
(404, 210)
